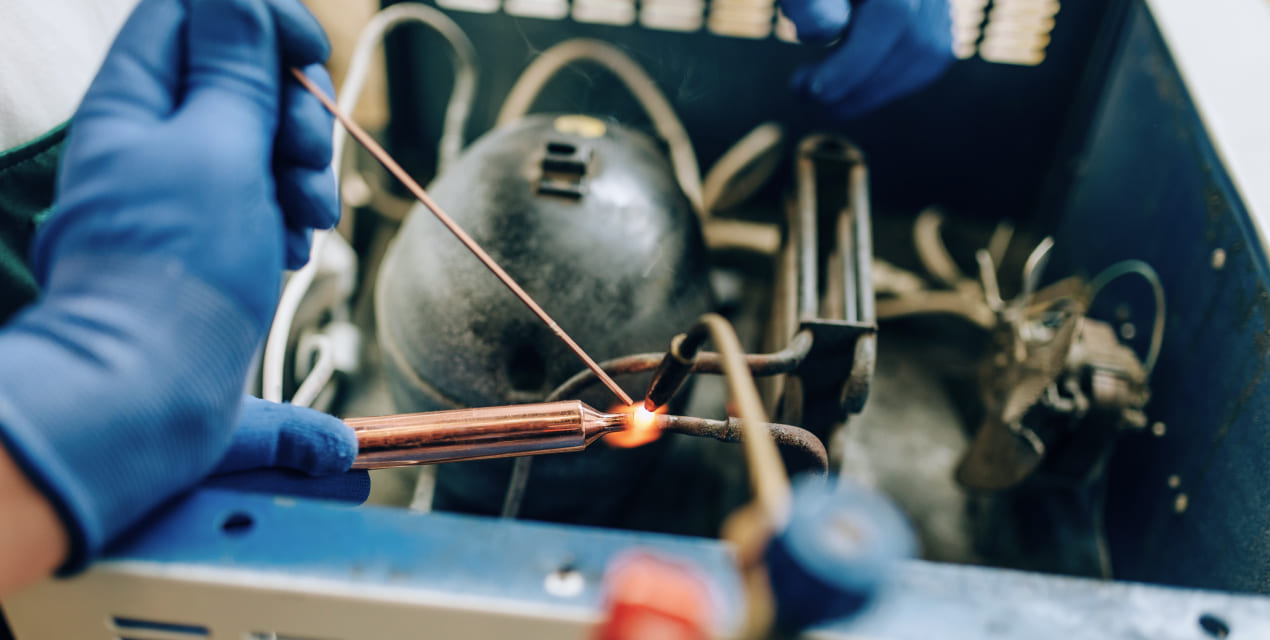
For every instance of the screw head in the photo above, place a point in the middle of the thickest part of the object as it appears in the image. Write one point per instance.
(1128, 331)
(1181, 503)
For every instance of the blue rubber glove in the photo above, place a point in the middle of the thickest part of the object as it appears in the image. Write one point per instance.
(891, 49)
(285, 449)
(190, 170)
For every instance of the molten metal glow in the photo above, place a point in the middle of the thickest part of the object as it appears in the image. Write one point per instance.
(641, 428)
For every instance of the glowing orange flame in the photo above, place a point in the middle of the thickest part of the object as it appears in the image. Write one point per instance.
(642, 427)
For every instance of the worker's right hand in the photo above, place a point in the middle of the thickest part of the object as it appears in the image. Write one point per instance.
(192, 169)
(889, 49)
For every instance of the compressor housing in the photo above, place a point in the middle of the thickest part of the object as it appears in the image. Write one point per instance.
(586, 215)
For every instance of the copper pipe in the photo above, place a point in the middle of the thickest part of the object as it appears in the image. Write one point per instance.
(786, 436)
(395, 169)
(760, 364)
(681, 359)
(479, 434)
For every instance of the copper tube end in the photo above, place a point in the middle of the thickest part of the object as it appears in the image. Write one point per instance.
(596, 424)
(788, 437)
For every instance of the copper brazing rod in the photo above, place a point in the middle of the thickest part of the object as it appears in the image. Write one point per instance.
(395, 169)
(479, 434)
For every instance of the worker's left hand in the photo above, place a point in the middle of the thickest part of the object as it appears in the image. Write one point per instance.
(889, 49)
(286, 449)
(190, 165)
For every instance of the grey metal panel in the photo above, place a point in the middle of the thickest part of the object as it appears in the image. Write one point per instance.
(316, 570)
(1152, 186)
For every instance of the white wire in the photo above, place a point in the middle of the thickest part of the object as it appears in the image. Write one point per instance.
(720, 180)
(272, 366)
(451, 143)
(1128, 267)
(465, 72)
(721, 189)
(323, 369)
(682, 155)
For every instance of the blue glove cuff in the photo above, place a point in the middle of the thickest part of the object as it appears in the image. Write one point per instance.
(127, 438)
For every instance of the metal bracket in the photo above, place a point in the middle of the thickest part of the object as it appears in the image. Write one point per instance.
(831, 241)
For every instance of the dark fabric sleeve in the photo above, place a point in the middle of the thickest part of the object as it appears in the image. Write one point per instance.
(27, 177)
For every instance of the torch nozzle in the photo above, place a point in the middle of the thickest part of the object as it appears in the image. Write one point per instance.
(671, 372)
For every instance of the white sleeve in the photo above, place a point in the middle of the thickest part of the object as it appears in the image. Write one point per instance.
(49, 52)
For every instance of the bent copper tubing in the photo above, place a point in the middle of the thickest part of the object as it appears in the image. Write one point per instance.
(530, 429)
(786, 436)
(761, 364)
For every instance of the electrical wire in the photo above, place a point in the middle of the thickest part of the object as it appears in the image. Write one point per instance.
(274, 361)
(1033, 270)
(516, 484)
(1148, 273)
(999, 242)
(683, 157)
(465, 72)
(738, 174)
(988, 279)
(729, 234)
(323, 369)
(937, 303)
(931, 250)
(451, 144)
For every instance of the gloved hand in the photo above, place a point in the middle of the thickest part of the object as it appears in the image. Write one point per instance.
(191, 167)
(889, 49)
(285, 449)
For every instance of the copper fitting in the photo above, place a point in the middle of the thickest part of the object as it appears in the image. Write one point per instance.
(479, 434)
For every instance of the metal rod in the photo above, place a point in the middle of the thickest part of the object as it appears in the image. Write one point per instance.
(803, 226)
(862, 237)
(479, 434)
(395, 169)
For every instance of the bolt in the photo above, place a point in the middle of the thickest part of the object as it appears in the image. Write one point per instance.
(1219, 259)
(1180, 503)
(1127, 331)
(1158, 429)
(1174, 481)
(565, 582)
